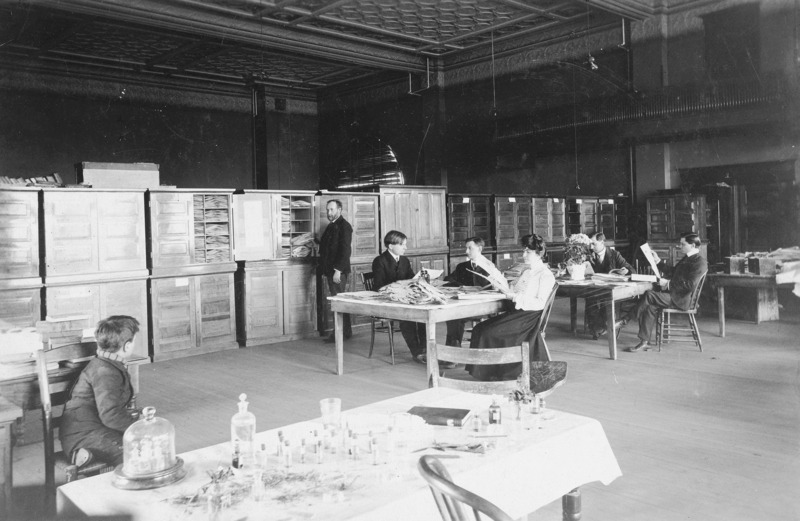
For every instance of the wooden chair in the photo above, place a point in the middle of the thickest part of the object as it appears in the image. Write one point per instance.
(378, 324)
(456, 503)
(53, 397)
(501, 355)
(539, 334)
(667, 331)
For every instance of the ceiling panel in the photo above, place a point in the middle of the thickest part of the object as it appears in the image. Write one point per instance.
(303, 44)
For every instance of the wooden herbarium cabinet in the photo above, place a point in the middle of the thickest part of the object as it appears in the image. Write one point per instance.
(94, 255)
(274, 251)
(468, 215)
(190, 255)
(420, 213)
(20, 279)
(669, 217)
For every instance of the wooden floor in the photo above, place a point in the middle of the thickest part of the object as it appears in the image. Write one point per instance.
(699, 436)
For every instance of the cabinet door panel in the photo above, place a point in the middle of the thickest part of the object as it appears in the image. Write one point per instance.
(299, 290)
(172, 229)
(174, 322)
(216, 304)
(264, 303)
(127, 298)
(431, 225)
(19, 308)
(99, 301)
(70, 223)
(481, 220)
(19, 235)
(253, 226)
(398, 212)
(356, 285)
(121, 238)
(366, 239)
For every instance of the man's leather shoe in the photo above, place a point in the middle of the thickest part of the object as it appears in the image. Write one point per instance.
(638, 347)
(420, 359)
(597, 334)
(82, 457)
(447, 365)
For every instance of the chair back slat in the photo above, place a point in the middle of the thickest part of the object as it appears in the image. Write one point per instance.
(501, 355)
(478, 387)
(696, 293)
(451, 499)
(460, 355)
(548, 307)
(368, 279)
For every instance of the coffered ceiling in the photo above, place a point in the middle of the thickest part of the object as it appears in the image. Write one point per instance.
(300, 44)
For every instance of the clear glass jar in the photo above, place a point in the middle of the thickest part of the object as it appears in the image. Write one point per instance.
(148, 445)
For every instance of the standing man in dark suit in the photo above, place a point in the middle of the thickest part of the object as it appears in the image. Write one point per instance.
(334, 253)
(674, 293)
(391, 266)
(463, 276)
(602, 260)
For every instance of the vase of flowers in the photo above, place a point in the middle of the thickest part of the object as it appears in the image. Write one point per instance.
(576, 253)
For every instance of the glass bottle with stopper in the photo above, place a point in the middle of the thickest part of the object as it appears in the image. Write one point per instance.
(243, 434)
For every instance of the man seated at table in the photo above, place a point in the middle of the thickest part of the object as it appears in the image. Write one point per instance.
(675, 292)
(391, 266)
(465, 275)
(602, 260)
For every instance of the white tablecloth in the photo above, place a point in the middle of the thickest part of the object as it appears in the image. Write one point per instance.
(539, 461)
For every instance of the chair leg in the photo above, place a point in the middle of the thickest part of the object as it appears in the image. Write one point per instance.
(372, 339)
(660, 329)
(71, 472)
(391, 340)
(696, 331)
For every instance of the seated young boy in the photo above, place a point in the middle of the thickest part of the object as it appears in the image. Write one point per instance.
(99, 406)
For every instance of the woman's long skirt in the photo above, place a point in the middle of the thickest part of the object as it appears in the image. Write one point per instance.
(505, 330)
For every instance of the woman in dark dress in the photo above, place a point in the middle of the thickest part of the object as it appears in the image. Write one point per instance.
(529, 295)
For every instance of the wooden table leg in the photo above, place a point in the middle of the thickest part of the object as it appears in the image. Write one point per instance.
(338, 324)
(573, 315)
(721, 309)
(432, 355)
(9, 413)
(571, 505)
(611, 320)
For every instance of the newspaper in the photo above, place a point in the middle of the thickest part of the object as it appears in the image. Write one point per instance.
(649, 254)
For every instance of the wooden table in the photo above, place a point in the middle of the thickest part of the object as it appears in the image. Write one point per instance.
(539, 461)
(372, 304)
(766, 295)
(608, 293)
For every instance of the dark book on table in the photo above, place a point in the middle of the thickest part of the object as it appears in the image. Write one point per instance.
(440, 415)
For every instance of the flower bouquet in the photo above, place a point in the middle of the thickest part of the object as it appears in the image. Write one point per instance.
(576, 254)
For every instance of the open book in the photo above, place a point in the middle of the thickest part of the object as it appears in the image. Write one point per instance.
(440, 415)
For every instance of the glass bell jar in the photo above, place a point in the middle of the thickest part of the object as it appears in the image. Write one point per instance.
(149, 459)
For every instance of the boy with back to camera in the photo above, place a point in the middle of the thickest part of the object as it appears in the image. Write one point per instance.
(100, 405)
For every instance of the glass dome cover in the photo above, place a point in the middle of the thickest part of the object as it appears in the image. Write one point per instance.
(148, 445)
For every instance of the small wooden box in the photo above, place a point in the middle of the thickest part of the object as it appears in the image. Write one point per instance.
(119, 175)
(762, 265)
(736, 265)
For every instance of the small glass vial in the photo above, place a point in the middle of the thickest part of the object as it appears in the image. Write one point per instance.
(495, 414)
